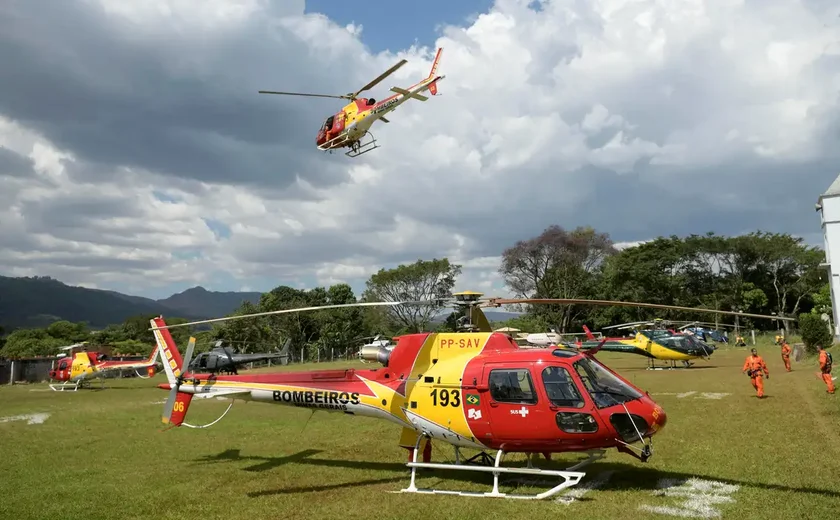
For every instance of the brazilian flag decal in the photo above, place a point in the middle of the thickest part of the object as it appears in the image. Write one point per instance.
(473, 399)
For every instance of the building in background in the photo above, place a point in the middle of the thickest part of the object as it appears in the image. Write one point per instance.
(828, 206)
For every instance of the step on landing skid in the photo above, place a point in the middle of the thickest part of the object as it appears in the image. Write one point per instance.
(358, 147)
(570, 478)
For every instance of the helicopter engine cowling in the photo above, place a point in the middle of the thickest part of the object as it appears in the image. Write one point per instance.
(375, 353)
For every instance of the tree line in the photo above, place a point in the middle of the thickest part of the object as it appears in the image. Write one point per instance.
(760, 272)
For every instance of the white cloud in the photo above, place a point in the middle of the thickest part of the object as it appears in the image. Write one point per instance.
(641, 118)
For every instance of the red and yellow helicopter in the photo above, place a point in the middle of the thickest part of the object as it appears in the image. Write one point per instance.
(78, 369)
(473, 389)
(348, 127)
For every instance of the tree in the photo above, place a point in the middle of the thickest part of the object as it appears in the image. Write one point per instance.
(71, 332)
(792, 268)
(822, 300)
(338, 327)
(31, 342)
(653, 272)
(556, 264)
(814, 332)
(422, 280)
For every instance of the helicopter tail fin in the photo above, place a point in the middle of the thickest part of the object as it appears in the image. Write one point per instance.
(169, 355)
(589, 334)
(433, 86)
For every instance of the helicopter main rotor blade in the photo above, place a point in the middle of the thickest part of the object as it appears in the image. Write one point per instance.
(497, 302)
(303, 94)
(302, 309)
(379, 78)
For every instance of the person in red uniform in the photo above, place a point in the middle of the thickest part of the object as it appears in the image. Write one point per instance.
(825, 369)
(786, 355)
(753, 367)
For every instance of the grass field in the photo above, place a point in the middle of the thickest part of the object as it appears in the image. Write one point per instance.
(101, 455)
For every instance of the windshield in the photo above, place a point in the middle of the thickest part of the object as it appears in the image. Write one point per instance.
(605, 388)
(686, 343)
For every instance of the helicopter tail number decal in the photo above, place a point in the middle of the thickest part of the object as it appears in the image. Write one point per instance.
(179, 408)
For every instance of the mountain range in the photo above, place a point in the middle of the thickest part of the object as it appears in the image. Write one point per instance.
(31, 302)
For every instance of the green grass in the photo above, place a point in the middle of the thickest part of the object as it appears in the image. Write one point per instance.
(100, 455)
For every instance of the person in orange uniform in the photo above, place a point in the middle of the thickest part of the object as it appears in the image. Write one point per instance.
(825, 368)
(786, 354)
(753, 367)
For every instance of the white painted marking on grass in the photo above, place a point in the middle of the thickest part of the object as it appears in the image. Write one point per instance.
(32, 418)
(573, 495)
(699, 497)
(162, 401)
(685, 394)
(712, 395)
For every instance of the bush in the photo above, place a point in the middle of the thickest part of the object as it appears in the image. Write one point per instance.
(814, 332)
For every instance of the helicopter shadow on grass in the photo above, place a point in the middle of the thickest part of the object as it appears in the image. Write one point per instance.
(625, 477)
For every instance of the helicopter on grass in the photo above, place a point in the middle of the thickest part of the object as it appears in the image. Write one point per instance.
(349, 126)
(473, 389)
(78, 368)
(652, 339)
(221, 360)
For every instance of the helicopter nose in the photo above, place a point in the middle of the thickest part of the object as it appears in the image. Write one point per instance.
(658, 418)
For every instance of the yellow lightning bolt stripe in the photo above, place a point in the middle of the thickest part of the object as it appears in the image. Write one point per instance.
(393, 401)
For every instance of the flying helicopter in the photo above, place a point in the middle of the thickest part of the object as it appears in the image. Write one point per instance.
(473, 389)
(78, 368)
(220, 359)
(349, 126)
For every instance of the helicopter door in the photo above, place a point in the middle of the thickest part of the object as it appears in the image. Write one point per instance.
(573, 413)
(63, 365)
(512, 401)
(339, 123)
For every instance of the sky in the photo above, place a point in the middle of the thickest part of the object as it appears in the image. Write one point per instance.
(136, 154)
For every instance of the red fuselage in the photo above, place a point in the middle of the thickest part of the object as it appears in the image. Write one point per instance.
(523, 400)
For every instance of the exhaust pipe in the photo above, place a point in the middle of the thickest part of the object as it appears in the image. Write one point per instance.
(375, 353)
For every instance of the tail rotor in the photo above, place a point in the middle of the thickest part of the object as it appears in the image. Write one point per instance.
(173, 398)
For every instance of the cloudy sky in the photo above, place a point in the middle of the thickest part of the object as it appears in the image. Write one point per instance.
(136, 154)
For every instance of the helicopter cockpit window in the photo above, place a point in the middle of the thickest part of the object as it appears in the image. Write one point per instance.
(62, 365)
(605, 388)
(329, 122)
(512, 386)
(561, 388)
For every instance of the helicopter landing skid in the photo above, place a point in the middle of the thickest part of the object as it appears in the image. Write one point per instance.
(358, 147)
(62, 387)
(686, 364)
(69, 386)
(570, 478)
